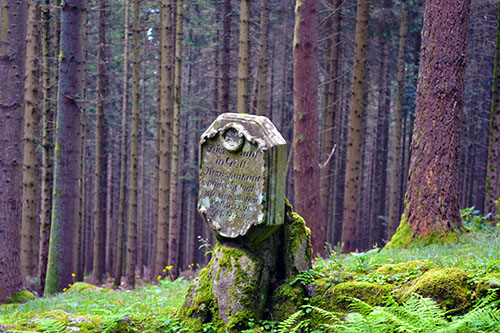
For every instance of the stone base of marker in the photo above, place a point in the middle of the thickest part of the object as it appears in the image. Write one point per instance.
(242, 282)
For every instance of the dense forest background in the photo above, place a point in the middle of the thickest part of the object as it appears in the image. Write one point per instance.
(153, 75)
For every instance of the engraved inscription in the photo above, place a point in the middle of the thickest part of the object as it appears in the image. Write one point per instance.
(231, 184)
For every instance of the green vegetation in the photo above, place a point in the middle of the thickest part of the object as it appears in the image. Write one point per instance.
(92, 309)
(450, 287)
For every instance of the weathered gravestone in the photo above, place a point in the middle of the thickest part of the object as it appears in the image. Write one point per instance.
(242, 177)
(260, 241)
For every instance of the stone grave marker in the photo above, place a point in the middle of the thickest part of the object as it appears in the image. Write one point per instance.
(261, 242)
(242, 177)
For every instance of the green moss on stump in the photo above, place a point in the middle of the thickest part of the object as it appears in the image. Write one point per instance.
(405, 237)
(338, 298)
(449, 287)
(22, 296)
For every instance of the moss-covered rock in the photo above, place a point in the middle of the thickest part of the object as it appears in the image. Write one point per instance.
(82, 287)
(420, 265)
(401, 273)
(286, 300)
(22, 296)
(488, 284)
(449, 287)
(338, 298)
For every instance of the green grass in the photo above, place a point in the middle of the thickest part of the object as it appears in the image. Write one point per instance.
(477, 253)
(147, 308)
(151, 308)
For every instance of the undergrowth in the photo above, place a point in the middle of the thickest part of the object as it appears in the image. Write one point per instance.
(149, 308)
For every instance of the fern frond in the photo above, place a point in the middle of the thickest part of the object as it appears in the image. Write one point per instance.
(287, 324)
(50, 326)
(360, 306)
(484, 319)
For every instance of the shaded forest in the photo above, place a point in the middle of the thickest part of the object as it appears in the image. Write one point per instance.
(104, 103)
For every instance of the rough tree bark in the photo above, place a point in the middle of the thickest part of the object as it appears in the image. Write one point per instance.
(123, 155)
(330, 114)
(165, 116)
(134, 151)
(12, 60)
(353, 169)
(101, 155)
(226, 57)
(432, 198)
(29, 221)
(174, 223)
(492, 167)
(48, 129)
(67, 150)
(263, 59)
(394, 193)
(243, 57)
(305, 100)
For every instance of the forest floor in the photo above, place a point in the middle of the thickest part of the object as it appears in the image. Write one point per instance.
(439, 287)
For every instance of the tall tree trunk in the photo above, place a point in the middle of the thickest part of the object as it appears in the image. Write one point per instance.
(109, 232)
(98, 267)
(123, 155)
(395, 194)
(140, 213)
(12, 60)
(263, 59)
(29, 221)
(134, 151)
(216, 89)
(67, 150)
(353, 170)
(226, 57)
(378, 213)
(433, 183)
(174, 223)
(331, 108)
(47, 147)
(243, 57)
(79, 257)
(492, 169)
(306, 149)
(165, 134)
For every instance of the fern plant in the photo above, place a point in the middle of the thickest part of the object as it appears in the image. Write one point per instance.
(417, 314)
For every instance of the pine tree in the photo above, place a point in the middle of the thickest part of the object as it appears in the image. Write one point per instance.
(353, 167)
(67, 150)
(11, 124)
(306, 149)
(432, 205)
